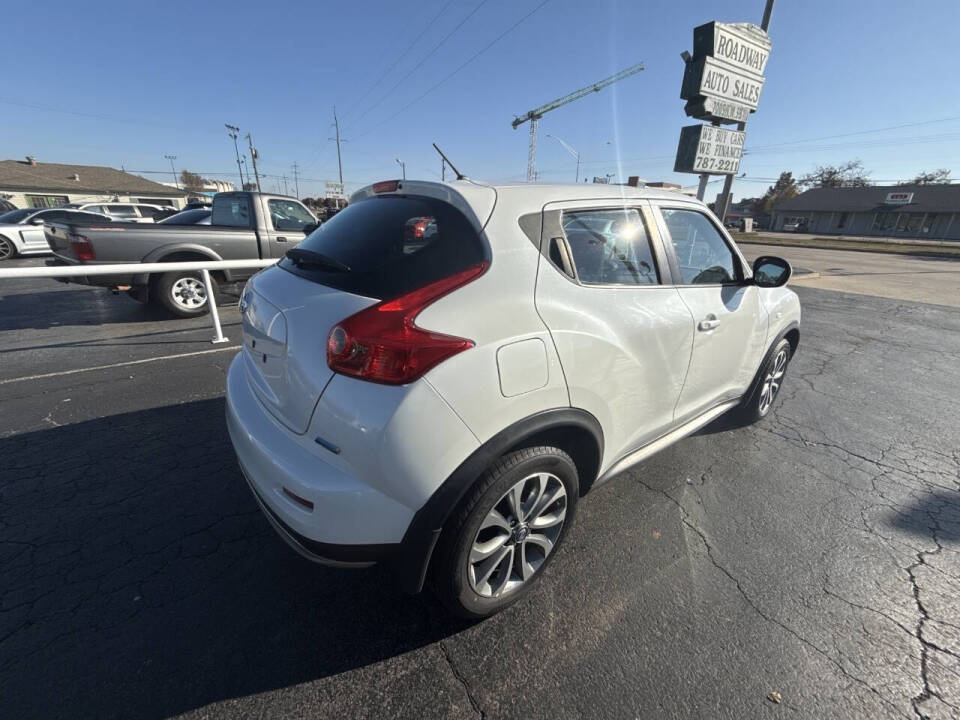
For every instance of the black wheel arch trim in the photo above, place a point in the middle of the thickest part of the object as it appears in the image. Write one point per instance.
(758, 377)
(412, 561)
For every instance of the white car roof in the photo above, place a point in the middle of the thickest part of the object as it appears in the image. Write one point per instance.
(536, 194)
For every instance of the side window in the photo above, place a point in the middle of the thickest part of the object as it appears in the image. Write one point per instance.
(703, 254)
(289, 215)
(122, 211)
(94, 208)
(147, 212)
(610, 247)
(231, 211)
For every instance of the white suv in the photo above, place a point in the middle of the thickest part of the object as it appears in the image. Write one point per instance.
(434, 377)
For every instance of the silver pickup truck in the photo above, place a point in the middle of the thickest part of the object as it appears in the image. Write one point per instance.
(243, 226)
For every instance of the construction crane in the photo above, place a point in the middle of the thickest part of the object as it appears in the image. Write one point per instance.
(534, 115)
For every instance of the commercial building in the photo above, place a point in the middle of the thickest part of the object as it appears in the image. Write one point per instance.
(909, 211)
(28, 183)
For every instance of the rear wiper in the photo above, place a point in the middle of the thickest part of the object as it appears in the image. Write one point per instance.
(302, 257)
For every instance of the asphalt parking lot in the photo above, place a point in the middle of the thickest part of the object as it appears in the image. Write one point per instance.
(815, 556)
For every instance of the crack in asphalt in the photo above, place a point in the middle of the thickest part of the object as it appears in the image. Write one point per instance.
(462, 680)
(685, 518)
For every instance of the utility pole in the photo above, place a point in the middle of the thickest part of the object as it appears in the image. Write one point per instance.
(296, 179)
(171, 158)
(253, 156)
(403, 167)
(233, 131)
(336, 125)
(243, 159)
(286, 191)
(443, 168)
(724, 200)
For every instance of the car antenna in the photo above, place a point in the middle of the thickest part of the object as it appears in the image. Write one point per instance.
(460, 175)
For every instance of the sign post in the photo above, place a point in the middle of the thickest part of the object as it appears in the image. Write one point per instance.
(722, 83)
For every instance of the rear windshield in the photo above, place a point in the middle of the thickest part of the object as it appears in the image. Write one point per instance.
(391, 244)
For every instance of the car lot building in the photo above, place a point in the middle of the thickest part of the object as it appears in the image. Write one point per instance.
(28, 183)
(909, 211)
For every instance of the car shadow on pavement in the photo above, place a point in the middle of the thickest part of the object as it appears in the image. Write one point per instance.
(935, 516)
(140, 579)
(65, 308)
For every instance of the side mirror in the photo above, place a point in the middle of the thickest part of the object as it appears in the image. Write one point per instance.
(309, 228)
(770, 271)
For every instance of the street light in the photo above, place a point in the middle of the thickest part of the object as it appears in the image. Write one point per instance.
(171, 158)
(403, 167)
(571, 151)
(233, 131)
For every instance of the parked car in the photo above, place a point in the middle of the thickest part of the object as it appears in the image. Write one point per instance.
(21, 231)
(442, 406)
(125, 212)
(244, 226)
(196, 216)
(6, 206)
(799, 225)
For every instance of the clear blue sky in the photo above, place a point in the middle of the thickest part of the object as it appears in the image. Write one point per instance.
(120, 84)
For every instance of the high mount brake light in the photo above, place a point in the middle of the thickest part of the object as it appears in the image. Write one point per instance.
(382, 344)
(386, 186)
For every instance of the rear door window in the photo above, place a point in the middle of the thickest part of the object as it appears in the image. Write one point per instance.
(610, 247)
(391, 244)
(231, 211)
(122, 211)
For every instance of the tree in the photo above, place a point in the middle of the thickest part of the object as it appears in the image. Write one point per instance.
(933, 177)
(191, 181)
(849, 174)
(249, 186)
(783, 189)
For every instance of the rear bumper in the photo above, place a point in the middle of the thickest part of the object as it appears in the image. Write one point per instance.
(107, 281)
(280, 466)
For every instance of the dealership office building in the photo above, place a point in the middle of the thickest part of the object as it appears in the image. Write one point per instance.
(909, 211)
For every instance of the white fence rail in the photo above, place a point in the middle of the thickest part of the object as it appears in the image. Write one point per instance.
(204, 266)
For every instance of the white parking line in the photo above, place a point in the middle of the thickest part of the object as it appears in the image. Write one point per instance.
(120, 364)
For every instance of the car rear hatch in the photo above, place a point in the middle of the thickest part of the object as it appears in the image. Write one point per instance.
(376, 249)
(285, 325)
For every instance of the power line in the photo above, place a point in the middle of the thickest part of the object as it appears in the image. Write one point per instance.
(860, 132)
(457, 70)
(423, 59)
(393, 65)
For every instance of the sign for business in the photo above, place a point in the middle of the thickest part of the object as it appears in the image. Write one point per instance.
(743, 46)
(709, 149)
(712, 78)
(899, 198)
(716, 110)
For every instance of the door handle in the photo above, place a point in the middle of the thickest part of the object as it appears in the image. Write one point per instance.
(281, 239)
(710, 323)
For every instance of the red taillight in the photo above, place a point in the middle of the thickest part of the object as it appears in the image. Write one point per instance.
(82, 247)
(382, 344)
(386, 186)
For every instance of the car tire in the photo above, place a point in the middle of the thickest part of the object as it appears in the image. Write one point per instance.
(487, 557)
(8, 250)
(182, 293)
(768, 384)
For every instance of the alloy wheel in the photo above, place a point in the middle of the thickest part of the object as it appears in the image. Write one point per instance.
(773, 380)
(517, 535)
(188, 292)
(6, 249)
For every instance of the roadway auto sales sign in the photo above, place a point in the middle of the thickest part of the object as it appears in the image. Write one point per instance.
(724, 79)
